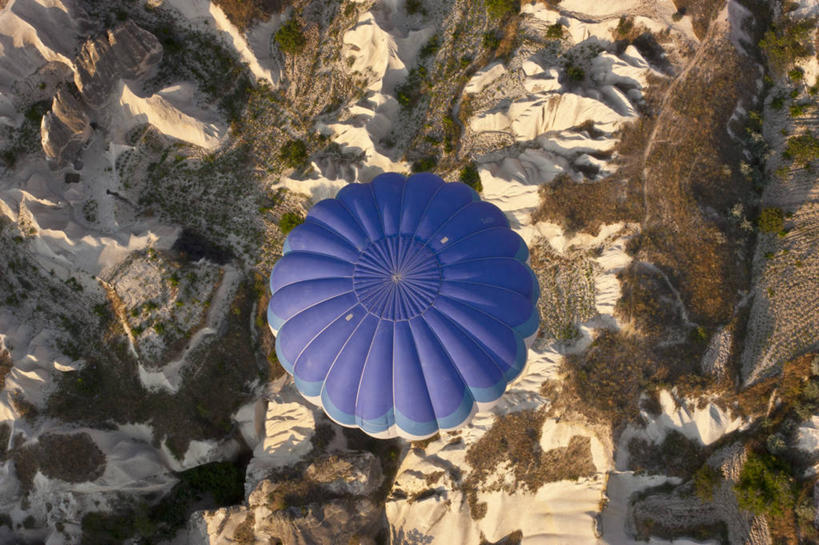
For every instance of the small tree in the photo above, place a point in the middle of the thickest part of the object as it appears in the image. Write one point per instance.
(788, 43)
(290, 37)
(802, 149)
(469, 176)
(294, 153)
(555, 31)
(771, 220)
(290, 220)
(575, 73)
(425, 164)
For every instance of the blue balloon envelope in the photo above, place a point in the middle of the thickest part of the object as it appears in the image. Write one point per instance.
(403, 305)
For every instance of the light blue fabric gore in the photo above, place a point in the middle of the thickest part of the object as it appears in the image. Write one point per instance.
(402, 305)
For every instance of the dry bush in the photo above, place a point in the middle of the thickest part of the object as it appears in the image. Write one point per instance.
(587, 206)
(243, 13)
(647, 301)
(701, 12)
(509, 40)
(5, 366)
(5, 435)
(611, 374)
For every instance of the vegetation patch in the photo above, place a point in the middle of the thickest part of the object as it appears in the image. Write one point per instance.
(243, 13)
(771, 220)
(290, 37)
(677, 455)
(514, 441)
(289, 220)
(212, 485)
(499, 9)
(74, 458)
(567, 291)
(5, 366)
(294, 154)
(705, 480)
(802, 149)
(585, 207)
(787, 42)
(765, 485)
(469, 175)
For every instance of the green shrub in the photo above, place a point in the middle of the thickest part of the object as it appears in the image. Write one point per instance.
(575, 73)
(409, 92)
(294, 154)
(624, 26)
(765, 486)
(802, 149)
(469, 176)
(490, 40)
(414, 6)
(290, 37)
(796, 74)
(796, 110)
(555, 31)
(501, 8)
(771, 220)
(425, 164)
(705, 479)
(431, 47)
(289, 220)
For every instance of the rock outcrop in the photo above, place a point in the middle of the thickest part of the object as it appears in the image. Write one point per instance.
(680, 513)
(66, 128)
(126, 52)
(325, 503)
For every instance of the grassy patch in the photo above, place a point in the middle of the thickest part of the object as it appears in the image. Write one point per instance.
(73, 458)
(705, 480)
(566, 291)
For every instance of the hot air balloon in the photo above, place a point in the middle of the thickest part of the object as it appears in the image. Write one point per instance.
(403, 305)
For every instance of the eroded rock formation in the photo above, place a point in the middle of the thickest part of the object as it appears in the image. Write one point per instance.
(328, 502)
(125, 52)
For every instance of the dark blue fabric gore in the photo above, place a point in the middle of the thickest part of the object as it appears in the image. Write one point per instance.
(402, 305)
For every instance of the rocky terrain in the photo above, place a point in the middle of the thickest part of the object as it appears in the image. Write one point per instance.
(659, 159)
